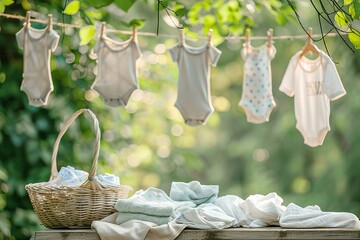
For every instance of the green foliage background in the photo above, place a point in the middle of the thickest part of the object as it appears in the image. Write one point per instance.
(147, 144)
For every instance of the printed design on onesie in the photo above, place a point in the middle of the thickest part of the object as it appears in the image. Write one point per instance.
(314, 88)
(257, 99)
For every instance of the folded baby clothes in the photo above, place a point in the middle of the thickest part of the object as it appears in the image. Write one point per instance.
(263, 210)
(136, 229)
(194, 192)
(126, 216)
(230, 204)
(206, 216)
(108, 179)
(68, 176)
(151, 203)
(312, 217)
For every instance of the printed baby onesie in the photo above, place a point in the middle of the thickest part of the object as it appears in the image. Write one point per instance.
(194, 98)
(116, 74)
(313, 83)
(257, 98)
(37, 45)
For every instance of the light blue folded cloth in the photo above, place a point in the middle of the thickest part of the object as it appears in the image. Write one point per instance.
(159, 220)
(194, 192)
(153, 202)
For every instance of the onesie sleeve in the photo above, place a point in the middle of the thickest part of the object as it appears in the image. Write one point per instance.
(174, 52)
(54, 40)
(332, 84)
(214, 54)
(20, 38)
(272, 52)
(287, 83)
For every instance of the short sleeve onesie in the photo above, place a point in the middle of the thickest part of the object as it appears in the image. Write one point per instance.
(312, 83)
(194, 98)
(37, 45)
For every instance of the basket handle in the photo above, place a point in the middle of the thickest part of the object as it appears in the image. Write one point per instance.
(54, 171)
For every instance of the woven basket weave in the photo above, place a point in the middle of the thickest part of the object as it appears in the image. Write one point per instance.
(75, 207)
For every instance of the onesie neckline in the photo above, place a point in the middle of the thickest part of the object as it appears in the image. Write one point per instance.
(314, 63)
(120, 46)
(194, 50)
(41, 32)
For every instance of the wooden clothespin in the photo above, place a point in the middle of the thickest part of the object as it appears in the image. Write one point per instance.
(49, 22)
(134, 33)
(103, 29)
(310, 46)
(27, 19)
(270, 37)
(182, 37)
(247, 38)
(209, 37)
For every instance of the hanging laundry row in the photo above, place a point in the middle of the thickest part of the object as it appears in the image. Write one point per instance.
(313, 83)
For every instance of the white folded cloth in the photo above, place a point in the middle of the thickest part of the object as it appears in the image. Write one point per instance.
(256, 211)
(230, 204)
(263, 210)
(68, 176)
(108, 179)
(71, 177)
(312, 217)
(194, 191)
(126, 216)
(150, 204)
(136, 230)
(206, 216)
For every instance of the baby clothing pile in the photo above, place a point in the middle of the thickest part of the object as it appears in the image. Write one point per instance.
(71, 177)
(153, 215)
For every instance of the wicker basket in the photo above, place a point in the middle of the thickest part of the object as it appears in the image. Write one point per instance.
(75, 207)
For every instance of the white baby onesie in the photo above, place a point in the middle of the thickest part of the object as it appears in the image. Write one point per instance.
(117, 75)
(313, 83)
(194, 98)
(37, 45)
(257, 98)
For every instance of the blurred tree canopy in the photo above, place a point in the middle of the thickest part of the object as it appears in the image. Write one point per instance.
(147, 143)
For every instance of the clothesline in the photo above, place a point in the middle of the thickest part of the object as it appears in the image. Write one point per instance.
(150, 34)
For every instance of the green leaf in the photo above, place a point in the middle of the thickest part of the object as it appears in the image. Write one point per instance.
(354, 38)
(72, 8)
(86, 34)
(139, 23)
(7, 2)
(347, 2)
(354, 10)
(341, 19)
(124, 5)
(100, 4)
(2, 8)
(209, 20)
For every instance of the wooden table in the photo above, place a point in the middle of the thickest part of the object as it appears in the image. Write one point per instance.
(269, 233)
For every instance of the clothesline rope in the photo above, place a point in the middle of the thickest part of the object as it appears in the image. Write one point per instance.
(150, 34)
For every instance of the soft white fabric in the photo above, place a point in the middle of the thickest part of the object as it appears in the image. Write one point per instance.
(37, 45)
(158, 220)
(136, 230)
(257, 99)
(194, 97)
(256, 211)
(108, 179)
(206, 216)
(230, 204)
(69, 176)
(313, 83)
(152, 201)
(194, 192)
(263, 210)
(312, 217)
(116, 70)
